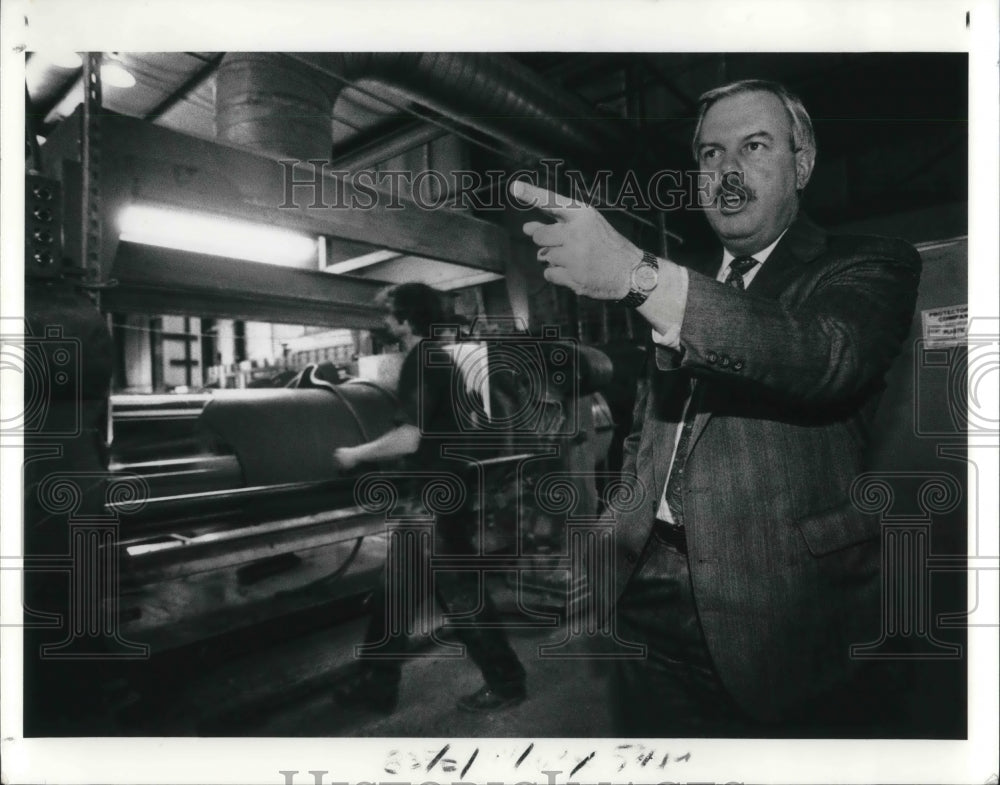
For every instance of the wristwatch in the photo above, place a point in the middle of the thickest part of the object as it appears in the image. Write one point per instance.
(642, 281)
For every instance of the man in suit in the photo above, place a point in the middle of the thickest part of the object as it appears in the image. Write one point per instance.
(747, 572)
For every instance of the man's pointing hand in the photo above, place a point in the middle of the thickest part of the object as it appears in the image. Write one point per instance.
(582, 250)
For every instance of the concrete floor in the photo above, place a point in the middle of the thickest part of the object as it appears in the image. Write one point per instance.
(560, 702)
(280, 682)
(286, 689)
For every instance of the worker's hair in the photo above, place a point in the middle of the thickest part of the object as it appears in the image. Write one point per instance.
(803, 137)
(417, 303)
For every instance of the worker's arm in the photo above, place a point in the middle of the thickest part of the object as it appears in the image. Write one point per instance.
(400, 441)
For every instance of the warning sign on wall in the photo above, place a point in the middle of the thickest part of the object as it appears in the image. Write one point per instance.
(944, 327)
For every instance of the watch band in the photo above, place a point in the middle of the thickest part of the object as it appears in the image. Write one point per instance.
(633, 299)
(637, 297)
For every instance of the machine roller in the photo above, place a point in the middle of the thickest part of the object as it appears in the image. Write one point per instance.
(247, 519)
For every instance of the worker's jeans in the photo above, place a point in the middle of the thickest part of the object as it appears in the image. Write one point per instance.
(407, 583)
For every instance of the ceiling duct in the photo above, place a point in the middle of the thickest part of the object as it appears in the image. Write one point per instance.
(273, 104)
(283, 103)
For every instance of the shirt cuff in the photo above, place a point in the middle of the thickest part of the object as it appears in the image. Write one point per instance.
(672, 306)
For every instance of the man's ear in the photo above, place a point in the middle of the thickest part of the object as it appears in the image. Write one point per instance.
(804, 161)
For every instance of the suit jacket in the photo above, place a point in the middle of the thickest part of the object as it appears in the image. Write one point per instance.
(785, 570)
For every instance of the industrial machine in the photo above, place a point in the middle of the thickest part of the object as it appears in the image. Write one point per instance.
(234, 513)
(246, 519)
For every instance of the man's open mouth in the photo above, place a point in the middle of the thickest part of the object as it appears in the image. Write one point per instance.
(731, 202)
(733, 194)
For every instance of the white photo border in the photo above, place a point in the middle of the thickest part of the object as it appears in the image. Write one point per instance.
(505, 25)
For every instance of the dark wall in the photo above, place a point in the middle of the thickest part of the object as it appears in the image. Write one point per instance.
(919, 442)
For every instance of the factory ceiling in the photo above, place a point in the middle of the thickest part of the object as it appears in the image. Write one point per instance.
(891, 128)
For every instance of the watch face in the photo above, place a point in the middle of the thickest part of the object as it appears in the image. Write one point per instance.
(644, 278)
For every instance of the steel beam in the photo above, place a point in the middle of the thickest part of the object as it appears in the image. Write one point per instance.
(162, 280)
(150, 164)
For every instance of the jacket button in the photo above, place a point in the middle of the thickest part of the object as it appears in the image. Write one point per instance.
(738, 365)
(724, 362)
(712, 357)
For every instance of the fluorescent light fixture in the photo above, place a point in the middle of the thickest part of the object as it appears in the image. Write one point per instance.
(217, 235)
(349, 265)
(116, 75)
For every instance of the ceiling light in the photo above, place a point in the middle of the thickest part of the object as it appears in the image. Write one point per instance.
(116, 75)
(216, 235)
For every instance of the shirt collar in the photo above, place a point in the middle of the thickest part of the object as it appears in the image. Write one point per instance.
(760, 256)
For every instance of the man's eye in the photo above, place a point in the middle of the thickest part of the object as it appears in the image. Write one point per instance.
(708, 155)
(754, 147)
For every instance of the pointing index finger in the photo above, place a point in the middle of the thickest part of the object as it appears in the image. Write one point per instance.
(550, 202)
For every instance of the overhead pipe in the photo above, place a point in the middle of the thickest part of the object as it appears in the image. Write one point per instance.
(396, 143)
(283, 103)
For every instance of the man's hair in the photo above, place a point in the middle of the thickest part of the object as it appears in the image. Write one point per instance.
(416, 303)
(803, 137)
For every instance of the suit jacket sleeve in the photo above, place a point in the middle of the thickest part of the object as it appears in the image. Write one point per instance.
(832, 332)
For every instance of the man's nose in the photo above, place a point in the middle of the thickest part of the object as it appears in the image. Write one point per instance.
(730, 162)
(729, 171)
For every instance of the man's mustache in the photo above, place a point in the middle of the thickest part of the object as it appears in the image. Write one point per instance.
(734, 190)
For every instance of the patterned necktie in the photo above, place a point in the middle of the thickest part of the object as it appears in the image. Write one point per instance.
(739, 267)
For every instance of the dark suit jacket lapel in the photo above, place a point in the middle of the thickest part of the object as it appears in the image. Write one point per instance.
(802, 243)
